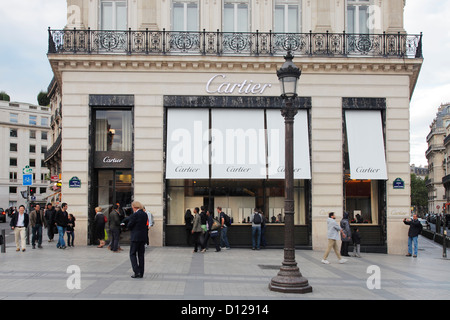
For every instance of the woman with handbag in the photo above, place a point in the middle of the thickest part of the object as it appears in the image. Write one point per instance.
(213, 227)
(99, 229)
(197, 231)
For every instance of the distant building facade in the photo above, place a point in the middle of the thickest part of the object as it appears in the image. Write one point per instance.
(437, 159)
(24, 139)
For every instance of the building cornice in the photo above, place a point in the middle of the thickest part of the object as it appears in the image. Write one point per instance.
(308, 65)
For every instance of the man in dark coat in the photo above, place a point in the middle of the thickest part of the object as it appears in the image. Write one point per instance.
(138, 224)
(415, 228)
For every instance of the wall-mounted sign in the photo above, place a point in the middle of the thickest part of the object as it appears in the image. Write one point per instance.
(74, 182)
(113, 159)
(399, 184)
(218, 84)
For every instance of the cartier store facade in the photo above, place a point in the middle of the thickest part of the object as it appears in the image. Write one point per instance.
(177, 104)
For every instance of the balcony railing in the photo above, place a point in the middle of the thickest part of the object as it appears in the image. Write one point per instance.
(147, 42)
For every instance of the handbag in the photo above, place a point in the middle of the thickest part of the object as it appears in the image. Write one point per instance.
(215, 225)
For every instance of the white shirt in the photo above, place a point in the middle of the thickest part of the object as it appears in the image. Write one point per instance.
(20, 220)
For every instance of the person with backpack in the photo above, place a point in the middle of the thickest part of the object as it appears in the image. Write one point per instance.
(256, 220)
(224, 224)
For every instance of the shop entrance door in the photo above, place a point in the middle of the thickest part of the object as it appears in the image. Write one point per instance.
(115, 186)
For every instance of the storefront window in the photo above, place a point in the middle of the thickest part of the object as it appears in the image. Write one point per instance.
(113, 130)
(364, 166)
(238, 198)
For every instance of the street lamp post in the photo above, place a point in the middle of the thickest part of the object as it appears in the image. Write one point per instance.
(289, 278)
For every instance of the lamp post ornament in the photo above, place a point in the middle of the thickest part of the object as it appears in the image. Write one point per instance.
(289, 278)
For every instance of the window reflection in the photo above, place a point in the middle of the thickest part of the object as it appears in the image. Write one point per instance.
(113, 130)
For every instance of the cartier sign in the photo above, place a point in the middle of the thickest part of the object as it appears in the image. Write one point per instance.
(219, 84)
(113, 159)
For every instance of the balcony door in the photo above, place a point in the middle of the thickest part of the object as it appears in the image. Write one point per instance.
(113, 15)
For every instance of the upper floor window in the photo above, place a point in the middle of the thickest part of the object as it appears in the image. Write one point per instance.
(113, 15)
(236, 16)
(358, 16)
(185, 15)
(33, 120)
(13, 118)
(287, 16)
(113, 130)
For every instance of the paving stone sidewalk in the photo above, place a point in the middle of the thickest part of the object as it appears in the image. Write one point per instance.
(175, 273)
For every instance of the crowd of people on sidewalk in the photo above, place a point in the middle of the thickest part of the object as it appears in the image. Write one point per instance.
(57, 221)
(201, 226)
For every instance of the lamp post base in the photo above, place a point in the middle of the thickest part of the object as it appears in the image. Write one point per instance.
(290, 280)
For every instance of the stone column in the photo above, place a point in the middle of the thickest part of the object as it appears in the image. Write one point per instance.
(323, 13)
(76, 14)
(395, 16)
(148, 14)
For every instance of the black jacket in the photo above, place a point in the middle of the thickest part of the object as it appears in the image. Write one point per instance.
(415, 228)
(138, 224)
(14, 219)
(62, 218)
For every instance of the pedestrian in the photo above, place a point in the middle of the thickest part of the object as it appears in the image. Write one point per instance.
(356, 236)
(150, 224)
(99, 226)
(19, 223)
(61, 220)
(346, 235)
(114, 228)
(70, 230)
(213, 227)
(256, 220)
(188, 219)
(197, 231)
(333, 235)
(224, 244)
(49, 216)
(37, 220)
(138, 224)
(263, 230)
(415, 228)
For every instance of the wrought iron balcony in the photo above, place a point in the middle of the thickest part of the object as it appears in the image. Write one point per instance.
(147, 42)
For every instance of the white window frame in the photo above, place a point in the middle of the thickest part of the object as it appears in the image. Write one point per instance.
(357, 4)
(286, 4)
(236, 4)
(185, 4)
(114, 13)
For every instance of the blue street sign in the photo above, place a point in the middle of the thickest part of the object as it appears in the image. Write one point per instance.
(27, 180)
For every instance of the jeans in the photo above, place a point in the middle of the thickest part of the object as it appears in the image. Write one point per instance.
(61, 242)
(70, 238)
(410, 243)
(36, 232)
(256, 233)
(224, 238)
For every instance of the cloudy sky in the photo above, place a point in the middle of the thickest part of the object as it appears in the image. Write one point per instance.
(25, 71)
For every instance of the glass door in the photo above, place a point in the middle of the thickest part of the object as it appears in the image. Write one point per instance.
(115, 187)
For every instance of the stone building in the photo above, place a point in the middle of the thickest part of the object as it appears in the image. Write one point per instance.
(176, 104)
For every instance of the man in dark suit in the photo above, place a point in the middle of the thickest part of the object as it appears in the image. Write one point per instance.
(138, 224)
